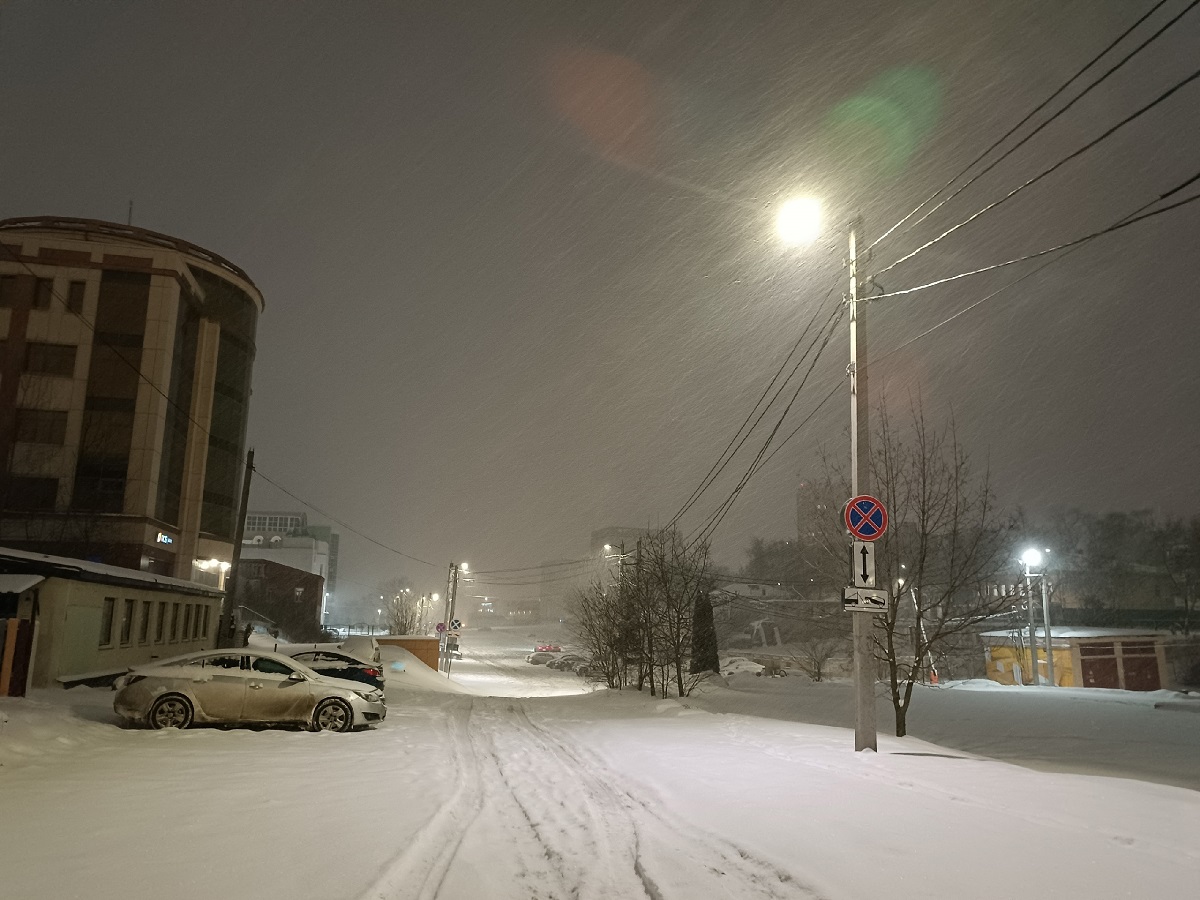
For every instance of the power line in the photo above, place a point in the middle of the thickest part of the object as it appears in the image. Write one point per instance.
(1089, 145)
(343, 523)
(1029, 116)
(1125, 223)
(727, 455)
(568, 562)
(717, 516)
(1029, 274)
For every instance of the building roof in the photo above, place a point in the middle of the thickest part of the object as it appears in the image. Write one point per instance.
(86, 227)
(21, 562)
(1081, 632)
(19, 583)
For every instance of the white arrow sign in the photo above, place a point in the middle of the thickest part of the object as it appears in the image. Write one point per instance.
(862, 564)
(864, 600)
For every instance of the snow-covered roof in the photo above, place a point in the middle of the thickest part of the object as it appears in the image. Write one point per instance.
(21, 562)
(18, 583)
(1082, 631)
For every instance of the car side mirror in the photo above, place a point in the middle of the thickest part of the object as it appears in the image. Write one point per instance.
(297, 676)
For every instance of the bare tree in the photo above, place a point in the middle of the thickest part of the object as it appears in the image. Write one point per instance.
(639, 631)
(942, 558)
(820, 638)
(599, 625)
(673, 577)
(401, 607)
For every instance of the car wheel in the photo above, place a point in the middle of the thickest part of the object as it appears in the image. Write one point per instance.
(332, 714)
(171, 711)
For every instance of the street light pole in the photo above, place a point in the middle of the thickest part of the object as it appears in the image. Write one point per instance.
(860, 482)
(1046, 626)
(1033, 666)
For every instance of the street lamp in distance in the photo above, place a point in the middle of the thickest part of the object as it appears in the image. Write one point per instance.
(1032, 559)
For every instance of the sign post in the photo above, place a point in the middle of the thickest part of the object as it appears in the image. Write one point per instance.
(866, 519)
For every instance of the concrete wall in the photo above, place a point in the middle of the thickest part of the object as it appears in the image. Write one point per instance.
(68, 639)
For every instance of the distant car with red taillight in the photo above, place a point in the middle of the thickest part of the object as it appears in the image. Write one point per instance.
(342, 665)
(547, 648)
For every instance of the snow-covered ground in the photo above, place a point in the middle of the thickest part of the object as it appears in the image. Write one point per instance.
(591, 795)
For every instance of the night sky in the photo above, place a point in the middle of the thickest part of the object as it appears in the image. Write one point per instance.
(519, 262)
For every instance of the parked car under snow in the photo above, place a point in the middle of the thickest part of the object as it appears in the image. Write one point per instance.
(244, 687)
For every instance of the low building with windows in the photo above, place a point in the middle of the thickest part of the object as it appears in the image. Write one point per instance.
(1130, 659)
(125, 365)
(90, 622)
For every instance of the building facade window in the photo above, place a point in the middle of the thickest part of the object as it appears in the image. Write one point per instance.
(41, 426)
(160, 621)
(144, 624)
(174, 622)
(106, 621)
(187, 621)
(204, 633)
(30, 493)
(8, 288)
(43, 290)
(127, 622)
(75, 291)
(50, 359)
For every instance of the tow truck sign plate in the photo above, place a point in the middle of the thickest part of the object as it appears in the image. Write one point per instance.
(869, 600)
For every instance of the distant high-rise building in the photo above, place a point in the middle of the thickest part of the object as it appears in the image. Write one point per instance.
(125, 364)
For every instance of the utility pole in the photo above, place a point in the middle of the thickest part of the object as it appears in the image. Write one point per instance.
(225, 626)
(1046, 626)
(1033, 666)
(860, 483)
(451, 596)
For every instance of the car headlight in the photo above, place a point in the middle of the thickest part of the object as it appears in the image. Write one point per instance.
(370, 696)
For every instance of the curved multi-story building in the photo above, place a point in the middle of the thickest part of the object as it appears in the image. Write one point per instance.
(125, 362)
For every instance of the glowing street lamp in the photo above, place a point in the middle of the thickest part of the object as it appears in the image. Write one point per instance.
(1032, 559)
(798, 222)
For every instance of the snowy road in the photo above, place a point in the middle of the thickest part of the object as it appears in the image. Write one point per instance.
(596, 796)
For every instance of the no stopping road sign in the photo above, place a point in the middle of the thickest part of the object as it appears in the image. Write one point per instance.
(866, 518)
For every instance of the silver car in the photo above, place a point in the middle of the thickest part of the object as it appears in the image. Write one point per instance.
(244, 686)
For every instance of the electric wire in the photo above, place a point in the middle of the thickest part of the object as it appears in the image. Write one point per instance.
(550, 565)
(1029, 116)
(1082, 240)
(730, 449)
(1045, 172)
(343, 523)
(709, 526)
(1029, 274)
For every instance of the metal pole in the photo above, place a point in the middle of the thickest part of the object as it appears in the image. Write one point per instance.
(446, 617)
(453, 598)
(1032, 627)
(860, 480)
(225, 626)
(1046, 625)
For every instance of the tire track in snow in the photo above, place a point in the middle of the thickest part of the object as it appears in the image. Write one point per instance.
(419, 870)
(582, 825)
(674, 860)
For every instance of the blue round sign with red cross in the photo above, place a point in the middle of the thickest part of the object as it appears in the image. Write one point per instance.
(866, 518)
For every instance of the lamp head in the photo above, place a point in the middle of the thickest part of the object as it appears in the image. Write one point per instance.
(799, 221)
